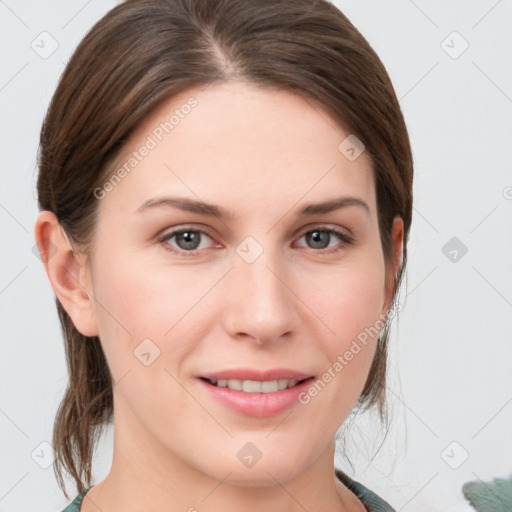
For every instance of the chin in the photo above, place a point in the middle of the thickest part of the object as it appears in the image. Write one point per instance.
(263, 473)
(262, 477)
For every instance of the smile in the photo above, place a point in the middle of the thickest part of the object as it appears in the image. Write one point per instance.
(268, 396)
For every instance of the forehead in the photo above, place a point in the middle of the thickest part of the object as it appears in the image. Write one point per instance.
(245, 145)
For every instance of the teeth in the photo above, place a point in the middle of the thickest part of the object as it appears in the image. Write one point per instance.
(282, 384)
(250, 386)
(255, 386)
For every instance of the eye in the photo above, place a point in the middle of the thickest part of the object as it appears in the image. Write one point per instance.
(189, 242)
(320, 237)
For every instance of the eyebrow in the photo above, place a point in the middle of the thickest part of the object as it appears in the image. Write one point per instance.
(212, 210)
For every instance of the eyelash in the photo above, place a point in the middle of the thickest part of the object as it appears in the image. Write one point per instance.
(346, 240)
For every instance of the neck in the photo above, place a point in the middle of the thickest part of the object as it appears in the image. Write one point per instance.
(146, 476)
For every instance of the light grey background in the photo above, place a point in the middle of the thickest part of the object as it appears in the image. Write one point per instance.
(451, 351)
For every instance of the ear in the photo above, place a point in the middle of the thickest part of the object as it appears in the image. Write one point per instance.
(67, 271)
(397, 235)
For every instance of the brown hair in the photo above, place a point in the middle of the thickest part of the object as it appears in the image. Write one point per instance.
(145, 51)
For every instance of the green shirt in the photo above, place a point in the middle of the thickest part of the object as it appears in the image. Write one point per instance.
(369, 499)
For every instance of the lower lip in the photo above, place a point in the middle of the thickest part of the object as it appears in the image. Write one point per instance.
(258, 405)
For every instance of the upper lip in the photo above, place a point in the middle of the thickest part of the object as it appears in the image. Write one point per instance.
(257, 375)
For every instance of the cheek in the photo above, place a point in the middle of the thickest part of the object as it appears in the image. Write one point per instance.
(137, 300)
(348, 298)
(350, 308)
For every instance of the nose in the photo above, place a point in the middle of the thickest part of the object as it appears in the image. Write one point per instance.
(259, 303)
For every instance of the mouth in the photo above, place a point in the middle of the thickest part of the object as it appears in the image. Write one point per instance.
(256, 386)
(256, 392)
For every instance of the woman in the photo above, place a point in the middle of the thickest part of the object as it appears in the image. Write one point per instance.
(226, 196)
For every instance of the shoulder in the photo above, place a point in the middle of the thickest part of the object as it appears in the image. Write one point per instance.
(370, 500)
(74, 506)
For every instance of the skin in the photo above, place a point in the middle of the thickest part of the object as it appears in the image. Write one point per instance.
(262, 155)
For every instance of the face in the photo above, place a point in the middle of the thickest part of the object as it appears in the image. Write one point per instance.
(246, 292)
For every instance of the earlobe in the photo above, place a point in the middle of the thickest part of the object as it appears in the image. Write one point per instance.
(67, 272)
